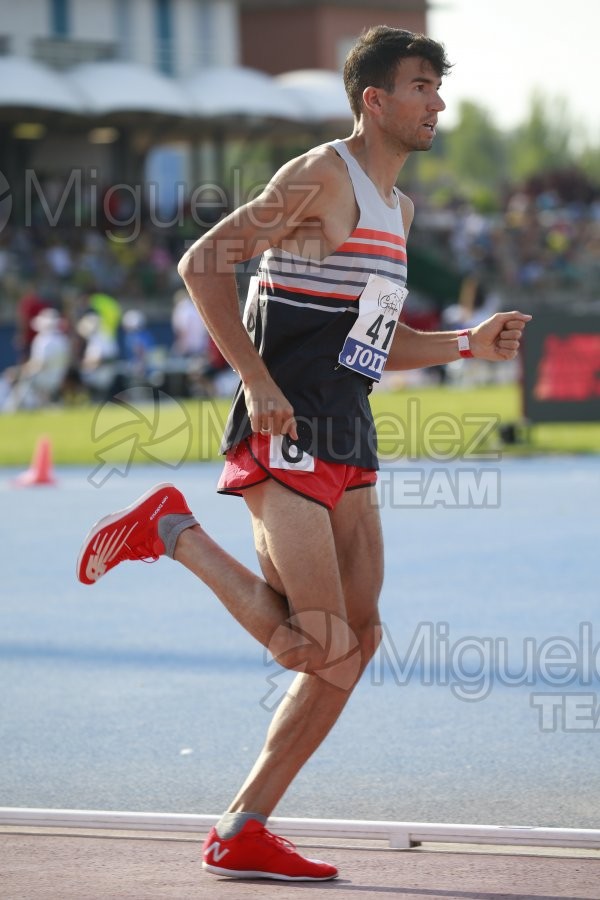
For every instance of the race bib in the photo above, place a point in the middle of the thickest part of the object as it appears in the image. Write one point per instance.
(368, 343)
(251, 305)
(283, 454)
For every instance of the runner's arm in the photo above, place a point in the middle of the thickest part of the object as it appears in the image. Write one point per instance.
(496, 339)
(289, 205)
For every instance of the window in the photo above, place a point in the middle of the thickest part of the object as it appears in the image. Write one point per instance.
(123, 28)
(164, 36)
(206, 42)
(59, 18)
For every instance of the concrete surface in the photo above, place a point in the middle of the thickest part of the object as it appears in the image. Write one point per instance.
(47, 864)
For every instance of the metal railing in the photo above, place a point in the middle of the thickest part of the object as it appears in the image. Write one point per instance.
(397, 835)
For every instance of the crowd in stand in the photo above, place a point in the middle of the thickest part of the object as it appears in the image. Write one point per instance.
(539, 244)
(59, 286)
(82, 346)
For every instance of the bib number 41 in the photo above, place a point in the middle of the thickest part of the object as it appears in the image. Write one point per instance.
(374, 331)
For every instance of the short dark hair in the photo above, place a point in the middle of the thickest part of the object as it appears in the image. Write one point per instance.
(373, 60)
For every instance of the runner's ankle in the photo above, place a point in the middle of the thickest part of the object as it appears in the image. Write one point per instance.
(170, 527)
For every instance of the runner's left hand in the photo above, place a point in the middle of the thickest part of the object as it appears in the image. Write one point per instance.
(499, 337)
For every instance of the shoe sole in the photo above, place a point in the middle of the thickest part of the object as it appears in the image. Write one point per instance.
(110, 520)
(244, 873)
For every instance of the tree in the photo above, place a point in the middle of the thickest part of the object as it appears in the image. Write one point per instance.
(544, 141)
(589, 162)
(476, 149)
(478, 163)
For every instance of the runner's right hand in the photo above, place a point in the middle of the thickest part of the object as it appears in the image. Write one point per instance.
(268, 409)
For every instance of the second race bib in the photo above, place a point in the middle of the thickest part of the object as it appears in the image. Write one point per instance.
(283, 454)
(251, 305)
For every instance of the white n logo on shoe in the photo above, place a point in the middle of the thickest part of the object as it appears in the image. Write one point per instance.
(105, 549)
(217, 852)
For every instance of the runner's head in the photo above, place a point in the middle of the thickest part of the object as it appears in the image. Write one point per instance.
(374, 59)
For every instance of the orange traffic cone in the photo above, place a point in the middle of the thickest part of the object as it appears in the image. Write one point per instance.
(40, 470)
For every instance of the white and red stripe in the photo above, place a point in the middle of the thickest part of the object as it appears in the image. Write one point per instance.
(376, 246)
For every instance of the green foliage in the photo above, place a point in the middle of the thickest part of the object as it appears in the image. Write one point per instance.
(484, 199)
(476, 149)
(475, 160)
(544, 141)
(589, 162)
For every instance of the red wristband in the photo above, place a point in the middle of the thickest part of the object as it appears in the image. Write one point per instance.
(464, 346)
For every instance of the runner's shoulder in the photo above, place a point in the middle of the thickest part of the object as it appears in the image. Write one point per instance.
(321, 166)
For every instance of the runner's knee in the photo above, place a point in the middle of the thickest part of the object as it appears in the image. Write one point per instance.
(312, 640)
(318, 641)
(368, 633)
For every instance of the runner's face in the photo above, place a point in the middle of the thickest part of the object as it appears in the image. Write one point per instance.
(410, 113)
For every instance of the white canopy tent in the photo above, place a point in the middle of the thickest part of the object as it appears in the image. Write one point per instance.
(238, 92)
(321, 94)
(27, 84)
(117, 87)
(137, 108)
(210, 94)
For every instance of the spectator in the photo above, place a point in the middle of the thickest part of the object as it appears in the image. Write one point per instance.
(99, 363)
(29, 305)
(139, 347)
(217, 375)
(109, 313)
(191, 336)
(38, 381)
(58, 257)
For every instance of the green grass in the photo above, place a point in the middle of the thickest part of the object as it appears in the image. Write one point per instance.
(447, 410)
(439, 423)
(181, 429)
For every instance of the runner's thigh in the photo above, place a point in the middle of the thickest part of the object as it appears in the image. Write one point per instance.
(296, 547)
(356, 524)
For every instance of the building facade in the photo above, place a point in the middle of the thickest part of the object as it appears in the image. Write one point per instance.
(107, 141)
(173, 36)
(282, 35)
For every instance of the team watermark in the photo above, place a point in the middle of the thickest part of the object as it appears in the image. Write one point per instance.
(139, 423)
(121, 210)
(428, 461)
(556, 669)
(421, 487)
(573, 712)
(471, 666)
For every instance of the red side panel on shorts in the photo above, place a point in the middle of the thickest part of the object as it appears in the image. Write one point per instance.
(247, 464)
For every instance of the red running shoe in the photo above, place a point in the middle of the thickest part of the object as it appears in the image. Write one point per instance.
(131, 533)
(256, 853)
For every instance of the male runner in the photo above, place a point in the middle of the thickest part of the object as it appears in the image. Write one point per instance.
(321, 322)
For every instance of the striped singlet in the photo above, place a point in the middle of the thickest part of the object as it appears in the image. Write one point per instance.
(299, 321)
